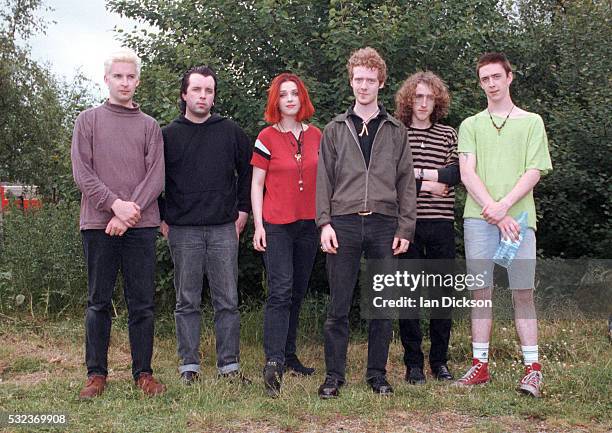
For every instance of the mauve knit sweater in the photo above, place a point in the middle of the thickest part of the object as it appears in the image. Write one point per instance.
(117, 152)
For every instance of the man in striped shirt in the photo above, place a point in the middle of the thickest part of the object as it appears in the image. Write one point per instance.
(421, 102)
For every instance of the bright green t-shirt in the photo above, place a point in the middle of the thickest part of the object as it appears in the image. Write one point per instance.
(501, 159)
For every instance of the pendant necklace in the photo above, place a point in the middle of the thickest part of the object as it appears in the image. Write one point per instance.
(411, 132)
(499, 128)
(299, 143)
(364, 128)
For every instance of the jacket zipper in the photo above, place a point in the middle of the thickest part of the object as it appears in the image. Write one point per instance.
(367, 169)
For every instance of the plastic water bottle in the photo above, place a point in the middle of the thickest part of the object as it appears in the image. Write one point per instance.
(506, 251)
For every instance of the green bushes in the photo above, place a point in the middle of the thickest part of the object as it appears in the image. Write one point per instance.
(560, 52)
(42, 264)
(252, 286)
(42, 269)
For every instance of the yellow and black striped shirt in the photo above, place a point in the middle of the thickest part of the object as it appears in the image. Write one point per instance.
(436, 148)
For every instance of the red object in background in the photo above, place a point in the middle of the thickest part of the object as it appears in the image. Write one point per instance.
(24, 196)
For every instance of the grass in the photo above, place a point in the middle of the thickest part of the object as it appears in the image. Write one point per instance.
(42, 371)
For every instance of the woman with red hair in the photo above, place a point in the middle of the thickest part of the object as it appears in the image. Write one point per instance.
(285, 167)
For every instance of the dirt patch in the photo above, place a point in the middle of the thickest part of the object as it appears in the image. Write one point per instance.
(3, 366)
(402, 422)
(28, 379)
(56, 357)
(119, 361)
(52, 352)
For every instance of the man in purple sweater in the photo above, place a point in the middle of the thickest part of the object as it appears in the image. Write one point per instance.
(118, 164)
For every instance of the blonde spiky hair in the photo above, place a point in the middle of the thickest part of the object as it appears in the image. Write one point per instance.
(126, 55)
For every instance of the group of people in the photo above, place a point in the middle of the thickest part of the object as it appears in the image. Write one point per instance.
(369, 184)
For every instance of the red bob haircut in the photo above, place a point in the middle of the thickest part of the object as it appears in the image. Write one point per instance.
(273, 114)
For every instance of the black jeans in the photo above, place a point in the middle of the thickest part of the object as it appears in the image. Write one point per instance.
(289, 257)
(372, 234)
(433, 240)
(134, 254)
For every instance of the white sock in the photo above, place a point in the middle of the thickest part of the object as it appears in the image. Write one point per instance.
(530, 354)
(480, 351)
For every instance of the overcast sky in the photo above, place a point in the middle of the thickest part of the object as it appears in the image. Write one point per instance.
(81, 38)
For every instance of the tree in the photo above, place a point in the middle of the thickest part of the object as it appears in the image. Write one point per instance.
(570, 71)
(559, 49)
(36, 109)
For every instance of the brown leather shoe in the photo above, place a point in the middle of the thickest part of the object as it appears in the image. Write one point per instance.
(94, 387)
(149, 385)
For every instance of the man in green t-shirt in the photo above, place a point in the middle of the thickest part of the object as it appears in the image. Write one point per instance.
(503, 151)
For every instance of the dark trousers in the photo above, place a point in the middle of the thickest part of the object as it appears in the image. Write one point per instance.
(433, 240)
(289, 257)
(372, 235)
(134, 254)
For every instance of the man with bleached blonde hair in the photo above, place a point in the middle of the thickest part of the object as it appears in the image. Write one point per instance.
(118, 164)
(123, 55)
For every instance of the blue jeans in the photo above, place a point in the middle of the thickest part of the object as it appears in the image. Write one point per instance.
(134, 254)
(210, 250)
(432, 240)
(372, 235)
(289, 257)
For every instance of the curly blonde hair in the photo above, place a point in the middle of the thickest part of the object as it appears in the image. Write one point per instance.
(404, 98)
(367, 57)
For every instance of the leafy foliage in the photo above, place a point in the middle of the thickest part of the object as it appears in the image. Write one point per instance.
(37, 110)
(42, 264)
(559, 49)
(575, 200)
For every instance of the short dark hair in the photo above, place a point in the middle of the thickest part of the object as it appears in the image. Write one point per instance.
(493, 57)
(203, 70)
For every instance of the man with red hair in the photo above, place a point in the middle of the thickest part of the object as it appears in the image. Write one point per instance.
(366, 203)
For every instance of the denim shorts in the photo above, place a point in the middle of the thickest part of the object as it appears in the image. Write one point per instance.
(481, 240)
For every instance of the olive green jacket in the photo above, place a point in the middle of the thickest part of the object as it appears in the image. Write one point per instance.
(346, 186)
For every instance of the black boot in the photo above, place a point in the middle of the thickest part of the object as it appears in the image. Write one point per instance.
(273, 377)
(293, 364)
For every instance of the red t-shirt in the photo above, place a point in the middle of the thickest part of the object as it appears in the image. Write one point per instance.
(275, 152)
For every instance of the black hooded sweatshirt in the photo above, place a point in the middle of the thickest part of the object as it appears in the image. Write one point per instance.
(208, 172)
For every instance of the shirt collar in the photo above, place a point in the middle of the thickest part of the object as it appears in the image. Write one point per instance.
(382, 112)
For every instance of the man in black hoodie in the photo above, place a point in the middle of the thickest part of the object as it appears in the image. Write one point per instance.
(207, 202)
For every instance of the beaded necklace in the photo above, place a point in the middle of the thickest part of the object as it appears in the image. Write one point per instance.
(499, 128)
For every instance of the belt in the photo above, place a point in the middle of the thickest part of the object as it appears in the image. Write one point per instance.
(364, 212)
